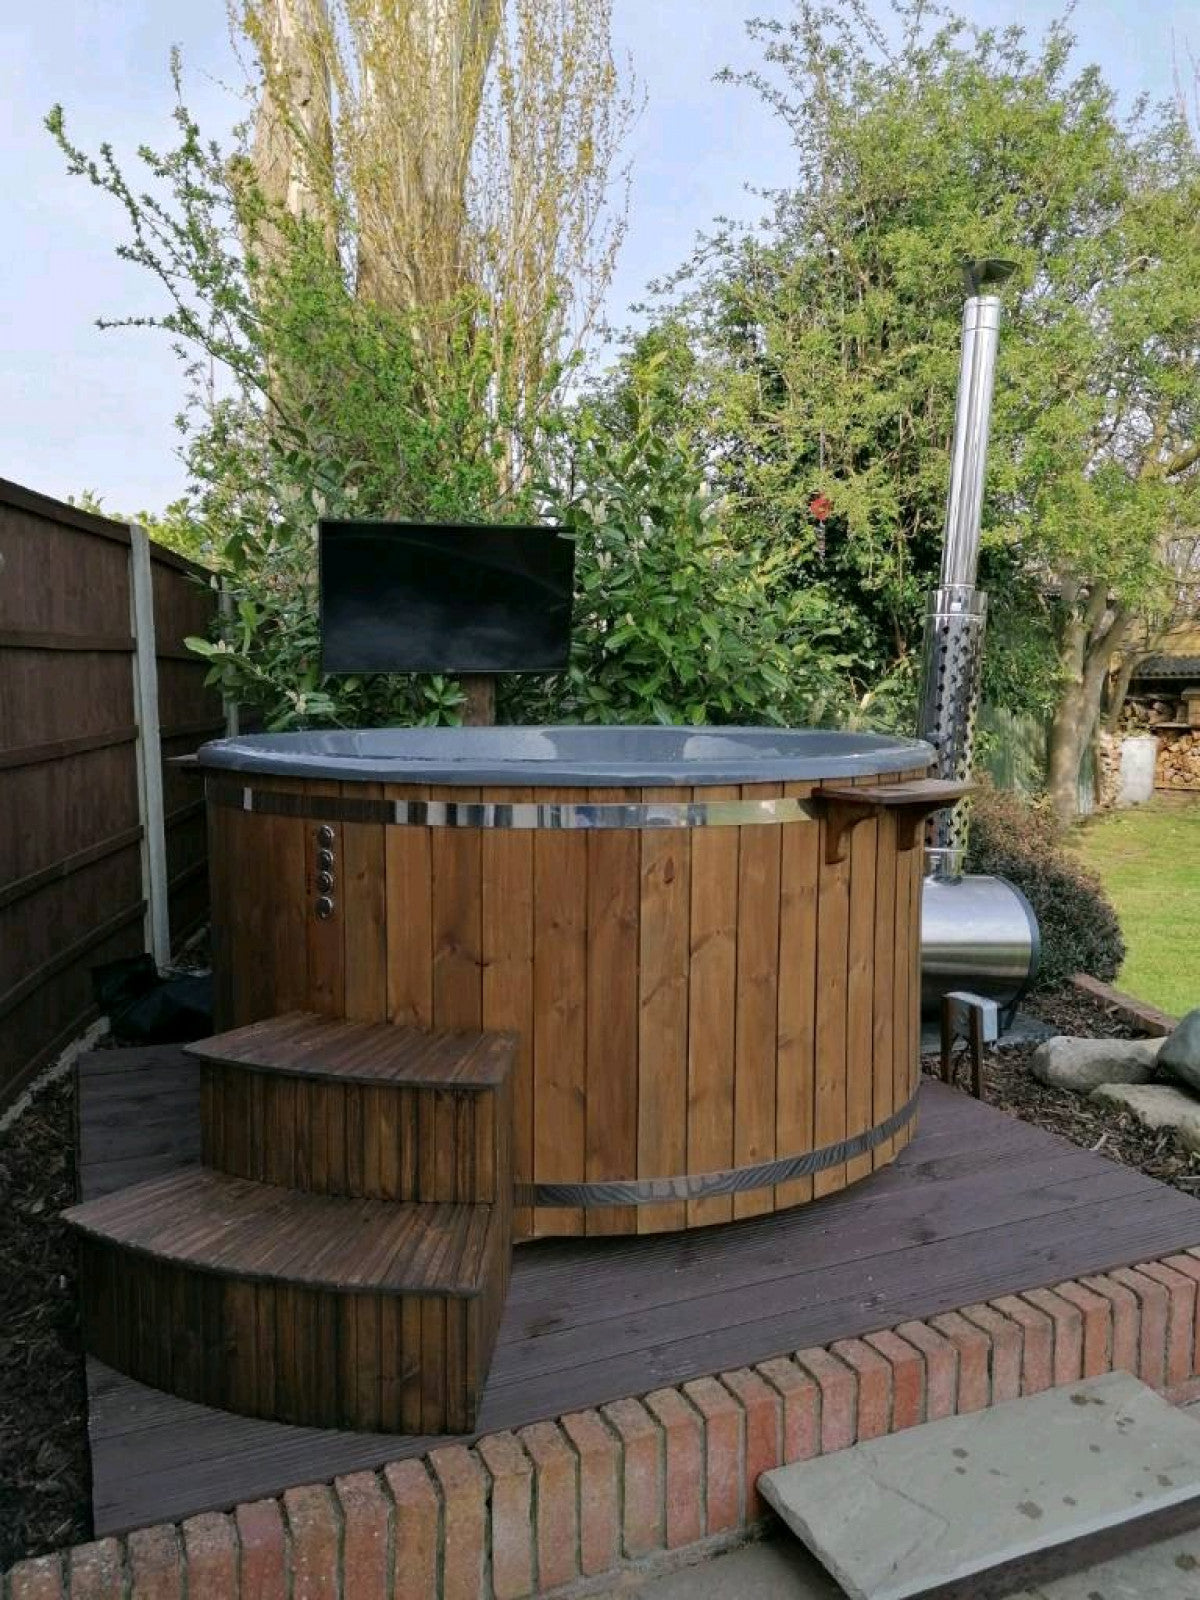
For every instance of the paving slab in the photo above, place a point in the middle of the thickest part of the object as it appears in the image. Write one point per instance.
(774, 1570)
(1169, 1570)
(954, 1500)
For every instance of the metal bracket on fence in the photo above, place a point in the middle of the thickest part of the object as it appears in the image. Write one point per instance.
(155, 886)
(976, 1020)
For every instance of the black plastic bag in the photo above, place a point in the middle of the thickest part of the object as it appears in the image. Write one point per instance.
(145, 1008)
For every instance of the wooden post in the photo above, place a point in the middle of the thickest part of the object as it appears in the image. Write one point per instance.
(480, 690)
(148, 748)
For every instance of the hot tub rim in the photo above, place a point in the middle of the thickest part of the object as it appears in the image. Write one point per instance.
(870, 756)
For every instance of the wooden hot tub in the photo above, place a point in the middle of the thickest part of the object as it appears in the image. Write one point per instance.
(706, 940)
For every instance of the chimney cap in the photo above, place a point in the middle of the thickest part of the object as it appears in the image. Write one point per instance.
(986, 272)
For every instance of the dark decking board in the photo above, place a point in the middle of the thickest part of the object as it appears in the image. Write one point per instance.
(978, 1205)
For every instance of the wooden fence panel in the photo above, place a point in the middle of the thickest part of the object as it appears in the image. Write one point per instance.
(71, 827)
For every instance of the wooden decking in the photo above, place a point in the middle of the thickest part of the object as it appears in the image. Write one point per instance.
(978, 1205)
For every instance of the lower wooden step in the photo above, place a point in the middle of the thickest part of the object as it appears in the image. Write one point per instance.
(297, 1307)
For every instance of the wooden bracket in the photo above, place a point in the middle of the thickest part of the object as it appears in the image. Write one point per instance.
(910, 803)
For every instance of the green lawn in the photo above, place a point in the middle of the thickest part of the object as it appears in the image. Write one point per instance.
(1149, 861)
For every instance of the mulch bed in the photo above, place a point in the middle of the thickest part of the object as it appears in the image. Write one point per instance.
(1011, 1087)
(45, 1489)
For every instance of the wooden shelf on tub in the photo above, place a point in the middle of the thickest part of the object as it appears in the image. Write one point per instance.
(846, 805)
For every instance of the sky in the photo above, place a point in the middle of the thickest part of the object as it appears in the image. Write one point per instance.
(86, 409)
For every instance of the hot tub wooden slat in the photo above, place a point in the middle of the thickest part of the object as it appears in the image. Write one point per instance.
(795, 1067)
(860, 1033)
(757, 1028)
(362, 883)
(883, 1053)
(559, 1010)
(613, 925)
(325, 937)
(833, 934)
(409, 895)
(457, 920)
(507, 938)
(664, 945)
(713, 1007)
(290, 900)
(916, 869)
(908, 1021)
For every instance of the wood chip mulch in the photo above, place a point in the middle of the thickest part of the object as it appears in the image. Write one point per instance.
(45, 1490)
(1011, 1087)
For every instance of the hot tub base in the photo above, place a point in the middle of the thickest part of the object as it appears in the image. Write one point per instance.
(714, 988)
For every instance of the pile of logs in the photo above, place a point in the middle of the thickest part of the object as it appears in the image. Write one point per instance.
(1178, 760)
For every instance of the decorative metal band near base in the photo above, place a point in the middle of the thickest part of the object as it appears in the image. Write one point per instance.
(490, 814)
(704, 1185)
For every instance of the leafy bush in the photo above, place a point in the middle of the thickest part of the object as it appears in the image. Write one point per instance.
(340, 406)
(675, 622)
(1026, 844)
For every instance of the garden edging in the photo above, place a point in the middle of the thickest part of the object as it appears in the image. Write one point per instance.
(1148, 1020)
(640, 1485)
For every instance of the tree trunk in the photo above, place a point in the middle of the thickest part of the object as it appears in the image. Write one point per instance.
(1089, 643)
(1069, 734)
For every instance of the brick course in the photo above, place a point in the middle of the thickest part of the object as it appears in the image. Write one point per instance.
(519, 1514)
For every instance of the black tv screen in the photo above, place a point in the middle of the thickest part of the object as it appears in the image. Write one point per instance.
(426, 597)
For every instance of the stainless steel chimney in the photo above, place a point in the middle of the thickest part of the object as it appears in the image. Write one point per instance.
(978, 933)
(956, 611)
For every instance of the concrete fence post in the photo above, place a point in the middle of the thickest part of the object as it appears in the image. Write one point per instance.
(149, 748)
(228, 702)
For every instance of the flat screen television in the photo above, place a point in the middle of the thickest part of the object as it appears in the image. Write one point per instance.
(441, 597)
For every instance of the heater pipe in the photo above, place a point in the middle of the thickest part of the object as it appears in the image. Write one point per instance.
(972, 429)
(956, 611)
(978, 933)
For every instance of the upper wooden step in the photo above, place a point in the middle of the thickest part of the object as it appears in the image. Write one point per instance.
(237, 1229)
(360, 1109)
(308, 1045)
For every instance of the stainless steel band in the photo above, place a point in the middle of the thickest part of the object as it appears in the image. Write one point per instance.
(705, 1185)
(528, 814)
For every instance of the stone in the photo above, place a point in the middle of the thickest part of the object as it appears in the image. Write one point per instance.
(1084, 1064)
(1181, 1051)
(1166, 1570)
(953, 1500)
(1155, 1106)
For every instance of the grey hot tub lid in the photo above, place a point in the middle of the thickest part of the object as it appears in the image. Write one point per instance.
(578, 756)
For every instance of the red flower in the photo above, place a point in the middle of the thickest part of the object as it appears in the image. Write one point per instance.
(820, 506)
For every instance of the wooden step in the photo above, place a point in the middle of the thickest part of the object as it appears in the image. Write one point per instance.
(306, 1044)
(331, 1312)
(360, 1109)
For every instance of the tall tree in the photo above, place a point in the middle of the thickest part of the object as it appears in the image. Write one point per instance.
(826, 342)
(465, 151)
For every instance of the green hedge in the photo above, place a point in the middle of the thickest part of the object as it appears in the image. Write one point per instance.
(1025, 843)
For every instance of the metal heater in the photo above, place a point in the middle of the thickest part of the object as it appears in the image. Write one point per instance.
(979, 933)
